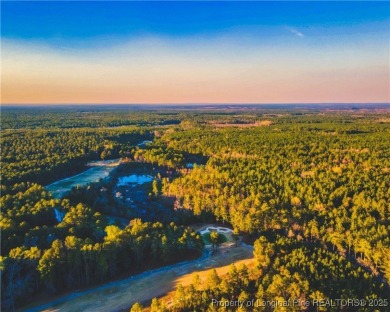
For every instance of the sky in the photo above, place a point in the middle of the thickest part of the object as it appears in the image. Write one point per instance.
(195, 52)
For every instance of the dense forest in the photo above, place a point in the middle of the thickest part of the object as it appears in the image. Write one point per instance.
(314, 183)
(309, 189)
(285, 271)
(43, 156)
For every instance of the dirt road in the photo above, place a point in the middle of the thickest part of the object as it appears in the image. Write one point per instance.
(118, 295)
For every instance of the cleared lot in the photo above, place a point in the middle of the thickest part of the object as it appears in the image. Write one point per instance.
(121, 294)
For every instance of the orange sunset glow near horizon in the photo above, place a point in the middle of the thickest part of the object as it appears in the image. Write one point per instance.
(271, 63)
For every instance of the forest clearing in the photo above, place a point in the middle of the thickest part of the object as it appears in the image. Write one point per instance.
(121, 294)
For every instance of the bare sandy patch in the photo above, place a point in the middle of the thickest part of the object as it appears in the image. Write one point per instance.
(122, 294)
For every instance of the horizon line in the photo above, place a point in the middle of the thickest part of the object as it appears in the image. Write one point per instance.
(195, 103)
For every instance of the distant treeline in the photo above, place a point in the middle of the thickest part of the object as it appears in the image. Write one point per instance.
(105, 116)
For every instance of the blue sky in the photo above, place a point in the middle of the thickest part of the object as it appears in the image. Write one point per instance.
(179, 52)
(48, 20)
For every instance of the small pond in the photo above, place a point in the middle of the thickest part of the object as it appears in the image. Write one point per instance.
(134, 179)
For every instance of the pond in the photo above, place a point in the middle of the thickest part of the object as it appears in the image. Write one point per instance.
(99, 170)
(134, 179)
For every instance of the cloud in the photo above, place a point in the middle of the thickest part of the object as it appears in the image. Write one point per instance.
(295, 32)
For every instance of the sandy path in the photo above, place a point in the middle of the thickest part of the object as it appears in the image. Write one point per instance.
(121, 294)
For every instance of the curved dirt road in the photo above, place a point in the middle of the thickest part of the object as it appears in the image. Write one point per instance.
(118, 295)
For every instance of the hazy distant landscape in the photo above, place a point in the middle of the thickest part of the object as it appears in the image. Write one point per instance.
(195, 156)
